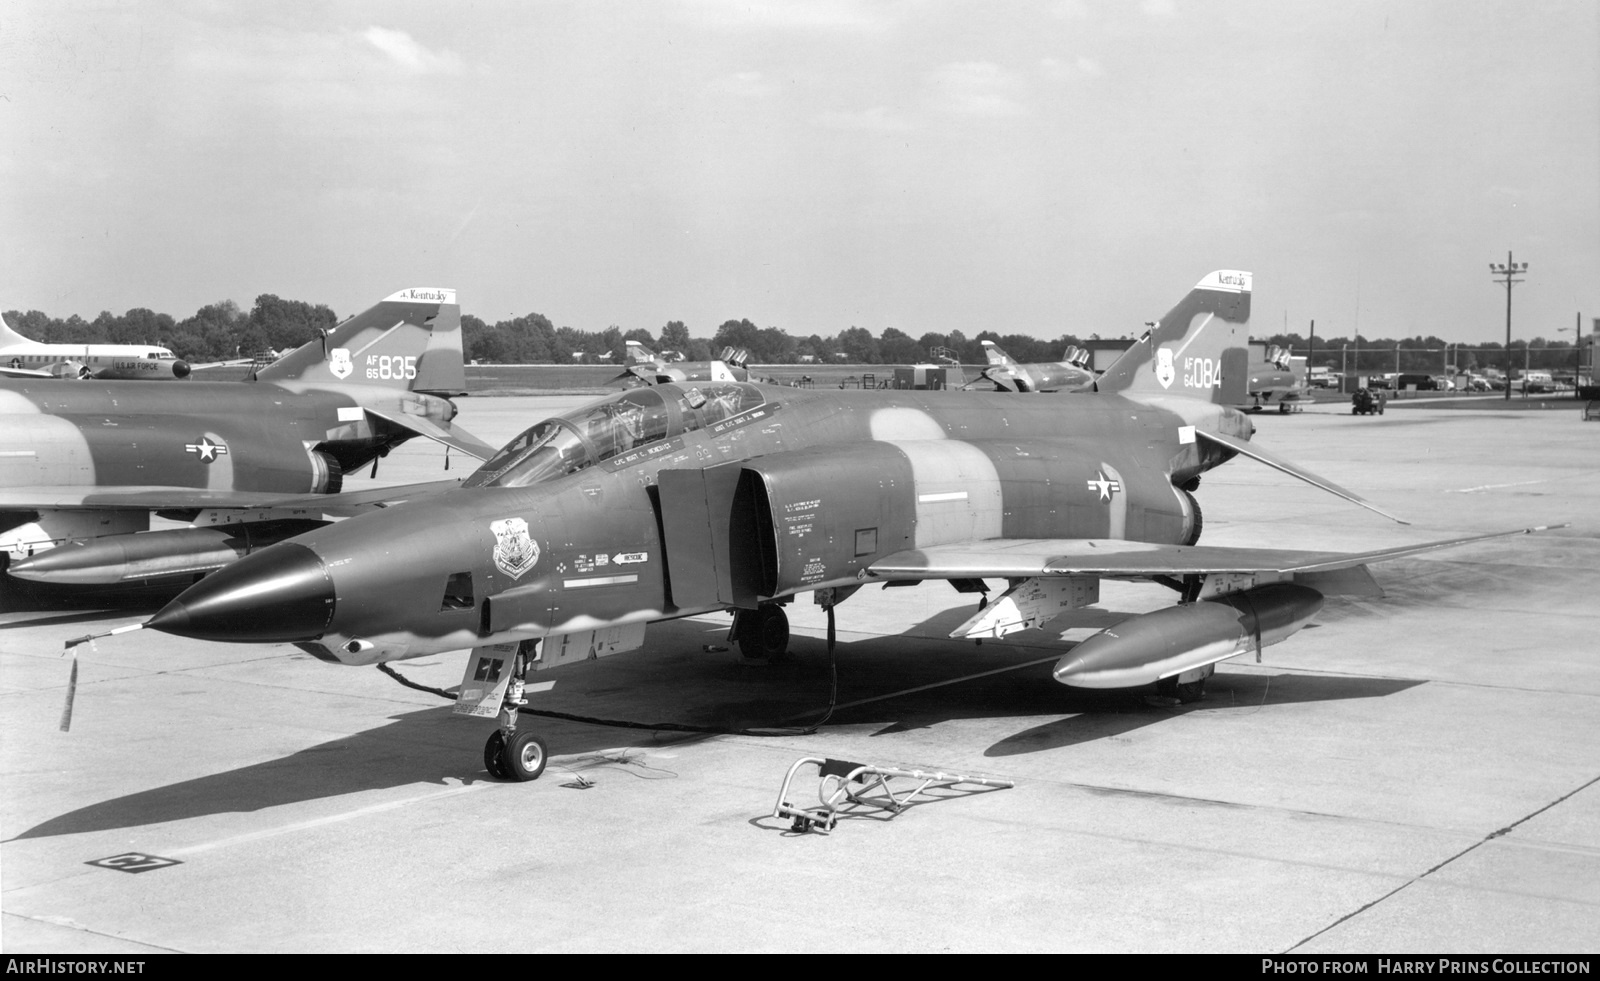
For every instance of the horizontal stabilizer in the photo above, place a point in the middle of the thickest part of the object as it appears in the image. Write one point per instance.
(1256, 453)
(454, 438)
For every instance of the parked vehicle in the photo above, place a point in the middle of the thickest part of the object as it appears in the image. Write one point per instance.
(1536, 381)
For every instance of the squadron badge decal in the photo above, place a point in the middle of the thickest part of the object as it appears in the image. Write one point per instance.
(1165, 372)
(339, 363)
(515, 552)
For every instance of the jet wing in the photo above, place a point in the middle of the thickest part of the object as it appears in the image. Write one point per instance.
(162, 498)
(453, 438)
(1116, 559)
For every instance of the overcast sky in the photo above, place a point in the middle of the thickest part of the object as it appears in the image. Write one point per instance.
(1028, 167)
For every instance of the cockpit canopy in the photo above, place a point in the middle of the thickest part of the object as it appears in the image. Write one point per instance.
(601, 430)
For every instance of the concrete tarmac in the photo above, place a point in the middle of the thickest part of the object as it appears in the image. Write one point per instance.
(1418, 773)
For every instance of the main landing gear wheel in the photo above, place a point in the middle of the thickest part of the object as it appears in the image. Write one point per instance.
(494, 756)
(525, 756)
(764, 632)
(1185, 692)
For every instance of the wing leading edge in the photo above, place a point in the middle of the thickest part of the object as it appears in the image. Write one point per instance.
(1115, 558)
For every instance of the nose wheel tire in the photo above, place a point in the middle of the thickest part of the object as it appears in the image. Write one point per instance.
(524, 756)
(493, 756)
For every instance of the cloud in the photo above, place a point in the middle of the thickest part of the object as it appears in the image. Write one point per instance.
(878, 119)
(313, 78)
(823, 15)
(1159, 8)
(402, 49)
(743, 85)
(1061, 71)
(978, 88)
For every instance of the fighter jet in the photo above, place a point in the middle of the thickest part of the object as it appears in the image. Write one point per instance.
(1274, 381)
(245, 464)
(22, 358)
(646, 367)
(1007, 375)
(684, 499)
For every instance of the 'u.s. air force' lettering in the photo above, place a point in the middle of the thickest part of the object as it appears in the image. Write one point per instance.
(515, 552)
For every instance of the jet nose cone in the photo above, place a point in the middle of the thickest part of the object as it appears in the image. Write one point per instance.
(281, 594)
(181, 369)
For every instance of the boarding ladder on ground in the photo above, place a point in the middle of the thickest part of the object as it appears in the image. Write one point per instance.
(863, 789)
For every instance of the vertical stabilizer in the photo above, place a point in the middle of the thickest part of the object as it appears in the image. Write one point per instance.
(410, 340)
(639, 354)
(992, 351)
(1199, 350)
(8, 336)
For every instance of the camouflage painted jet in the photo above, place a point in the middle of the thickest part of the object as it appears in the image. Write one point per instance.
(645, 366)
(1007, 375)
(1275, 382)
(22, 358)
(245, 463)
(686, 499)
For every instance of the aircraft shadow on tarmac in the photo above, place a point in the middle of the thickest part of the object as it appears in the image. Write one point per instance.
(681, 682)
(1223, 692)
(20, 596)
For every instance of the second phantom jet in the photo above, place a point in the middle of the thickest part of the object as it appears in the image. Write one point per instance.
(686, 499)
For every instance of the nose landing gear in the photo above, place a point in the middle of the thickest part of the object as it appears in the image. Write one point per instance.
(509, 753)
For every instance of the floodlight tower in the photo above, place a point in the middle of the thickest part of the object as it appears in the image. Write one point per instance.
(1509, 269)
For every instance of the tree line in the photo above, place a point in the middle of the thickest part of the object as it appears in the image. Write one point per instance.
(221, 331)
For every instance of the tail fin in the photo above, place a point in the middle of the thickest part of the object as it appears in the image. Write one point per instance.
(9, 336)
(639, 354)
(1200, 349)
(992, 351)
(410, 340)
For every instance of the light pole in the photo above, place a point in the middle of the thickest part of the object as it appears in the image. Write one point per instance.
(1509, 269)
(1577, 350)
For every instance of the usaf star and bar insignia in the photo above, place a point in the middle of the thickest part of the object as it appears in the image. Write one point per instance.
(1104, 486)
(206, 449)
